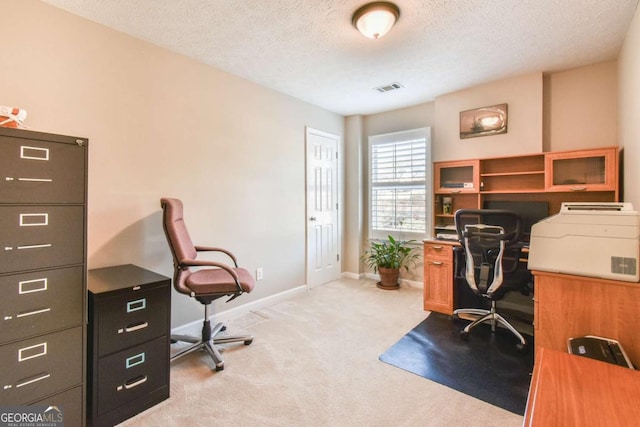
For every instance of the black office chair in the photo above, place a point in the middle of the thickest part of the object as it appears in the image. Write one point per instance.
(493, 268)
(203, 280)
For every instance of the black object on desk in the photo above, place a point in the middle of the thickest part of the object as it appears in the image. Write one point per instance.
(128, 339)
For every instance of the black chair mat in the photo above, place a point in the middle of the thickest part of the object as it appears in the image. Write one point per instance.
(488, 366)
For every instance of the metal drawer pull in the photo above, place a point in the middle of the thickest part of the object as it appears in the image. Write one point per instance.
(33, 380)
(31, 313)
(133, 383)
(34, 153)
(44, 245)
(134, 328)
(139, 304)
(32, 352)
(436, 263)
(29, 286)
(33, 220)
(132, 361)
(35, 179)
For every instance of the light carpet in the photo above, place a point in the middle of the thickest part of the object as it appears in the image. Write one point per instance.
(314, 362)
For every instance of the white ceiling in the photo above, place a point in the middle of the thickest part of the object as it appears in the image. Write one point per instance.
(309, 50)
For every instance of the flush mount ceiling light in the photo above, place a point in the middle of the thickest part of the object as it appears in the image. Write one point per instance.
(374, 20)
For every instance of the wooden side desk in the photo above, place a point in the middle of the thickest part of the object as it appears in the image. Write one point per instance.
(569, 390)
(568, 306)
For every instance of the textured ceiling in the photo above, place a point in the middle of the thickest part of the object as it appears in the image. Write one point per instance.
(309, 50)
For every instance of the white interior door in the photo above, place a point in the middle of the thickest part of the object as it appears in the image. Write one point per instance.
(323, 256)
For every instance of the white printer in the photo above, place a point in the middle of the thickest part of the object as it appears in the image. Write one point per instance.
(588, 239)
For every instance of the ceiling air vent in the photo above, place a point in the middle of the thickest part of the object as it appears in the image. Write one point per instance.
(389, 87)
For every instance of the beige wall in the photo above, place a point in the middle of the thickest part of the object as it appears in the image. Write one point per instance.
(354, 198)
(523, 95)
(160, 124)
(629, 111)
(581, 108)
(553, 106)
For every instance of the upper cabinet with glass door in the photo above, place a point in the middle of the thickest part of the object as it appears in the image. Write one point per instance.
(457, 177)
(584, 170)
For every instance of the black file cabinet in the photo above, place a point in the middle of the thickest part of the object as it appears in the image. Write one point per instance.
(43, 190)
(128, 357)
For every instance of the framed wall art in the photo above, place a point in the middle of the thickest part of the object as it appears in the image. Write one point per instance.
(483, 121)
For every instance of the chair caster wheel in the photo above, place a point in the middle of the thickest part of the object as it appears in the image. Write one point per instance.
(248, 342)
(464, 335)
(174, 341)
(521, 347)
(224, 328)
(219, 368)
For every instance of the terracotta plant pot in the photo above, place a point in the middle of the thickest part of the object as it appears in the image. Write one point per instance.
(388, 278)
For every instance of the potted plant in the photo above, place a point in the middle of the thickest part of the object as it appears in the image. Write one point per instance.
(387, 257)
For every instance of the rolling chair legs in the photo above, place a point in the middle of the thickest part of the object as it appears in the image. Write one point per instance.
(208, 341)
(489, 316)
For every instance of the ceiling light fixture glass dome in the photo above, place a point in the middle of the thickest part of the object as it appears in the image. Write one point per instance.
(374, 20)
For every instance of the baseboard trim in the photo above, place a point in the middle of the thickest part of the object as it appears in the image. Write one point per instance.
(354, 276)
(403, 282)
(232, 313)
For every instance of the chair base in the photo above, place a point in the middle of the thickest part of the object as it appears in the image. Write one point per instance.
(208, 342)
(489, 316)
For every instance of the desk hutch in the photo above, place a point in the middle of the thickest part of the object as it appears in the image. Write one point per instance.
(552, 177)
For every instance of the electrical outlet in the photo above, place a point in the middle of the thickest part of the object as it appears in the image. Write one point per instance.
(259, 275)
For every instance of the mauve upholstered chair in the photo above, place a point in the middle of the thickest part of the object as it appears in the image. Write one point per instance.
(203, 280)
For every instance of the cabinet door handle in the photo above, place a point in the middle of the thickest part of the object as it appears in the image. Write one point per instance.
(133, 383)
(436, 263)
(581, 188)
(134, 328)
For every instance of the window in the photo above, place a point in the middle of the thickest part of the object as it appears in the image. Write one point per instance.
(399, 169)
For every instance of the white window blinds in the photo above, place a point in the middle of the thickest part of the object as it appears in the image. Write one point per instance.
(398, 168)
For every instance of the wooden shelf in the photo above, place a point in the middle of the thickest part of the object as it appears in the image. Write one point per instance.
(527, 177)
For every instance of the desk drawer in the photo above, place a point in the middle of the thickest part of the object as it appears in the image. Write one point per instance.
(39, 302)
(438, 251)
(40, 236)
(41, 172)
(128, 319)
(132, 373)
(40, 366)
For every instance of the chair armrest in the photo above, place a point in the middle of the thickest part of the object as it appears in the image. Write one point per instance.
(207, 263)
(214, 249)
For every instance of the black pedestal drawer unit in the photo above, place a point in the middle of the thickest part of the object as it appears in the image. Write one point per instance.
(129, 332)
(43, 188)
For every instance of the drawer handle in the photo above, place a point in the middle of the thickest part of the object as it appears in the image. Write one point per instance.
(33, 380)
(44, 245)
(31, 313)
(139, 304)
(436, 263)
(33, 179)
(133, 383)
(437, 248)
(134, 328)
(581, 188)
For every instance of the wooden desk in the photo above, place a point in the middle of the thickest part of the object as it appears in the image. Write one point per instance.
(569, 390)
(568, 306)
